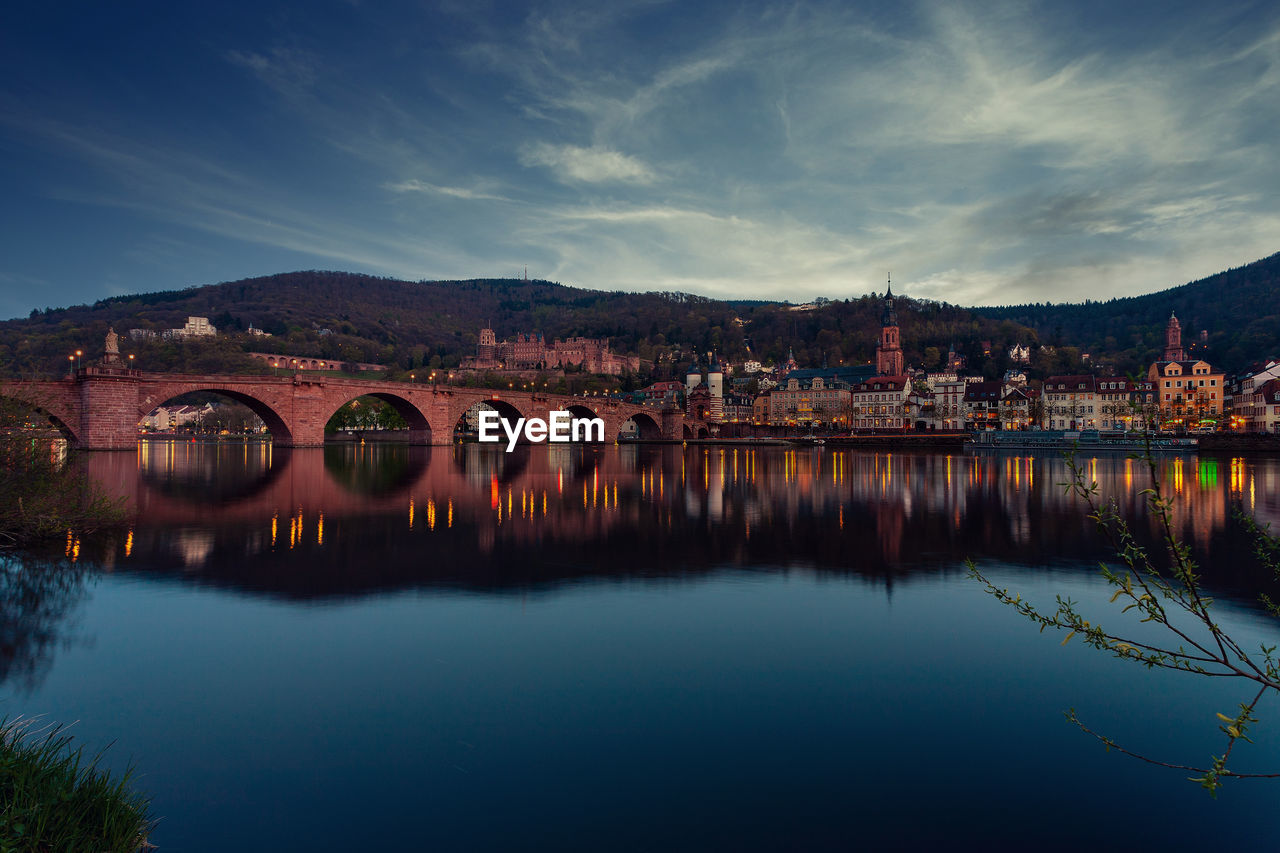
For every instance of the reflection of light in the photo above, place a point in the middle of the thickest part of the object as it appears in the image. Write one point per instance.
(450, 512)
(410, 513)
(842, 516)
(320, 530)
(274, 521)
(495, 498)
(431, 515)
(128, 542)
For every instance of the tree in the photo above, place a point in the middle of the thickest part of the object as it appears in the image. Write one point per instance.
(1168, 593)
(43, 495)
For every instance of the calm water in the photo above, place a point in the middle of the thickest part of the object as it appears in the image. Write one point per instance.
(631, 648)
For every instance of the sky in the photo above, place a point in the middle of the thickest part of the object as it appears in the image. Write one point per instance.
(986, 153)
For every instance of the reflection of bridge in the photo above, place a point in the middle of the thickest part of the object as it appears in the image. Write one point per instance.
(99, 409)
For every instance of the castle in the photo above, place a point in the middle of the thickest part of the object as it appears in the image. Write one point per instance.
(532, 352)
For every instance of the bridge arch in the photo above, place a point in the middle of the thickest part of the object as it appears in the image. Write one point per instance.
(59, 421)
(647, 427)
(419, 425)
(281, 432)
(506, 410)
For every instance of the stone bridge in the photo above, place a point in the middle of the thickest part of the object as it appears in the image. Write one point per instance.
(99, 408)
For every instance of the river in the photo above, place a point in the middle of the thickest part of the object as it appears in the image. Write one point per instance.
(378, 647)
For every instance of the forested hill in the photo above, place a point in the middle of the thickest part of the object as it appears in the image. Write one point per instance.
(1239, 309)
(350, 317)
(408, 325)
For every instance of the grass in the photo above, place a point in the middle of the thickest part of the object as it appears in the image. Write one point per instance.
(53, 799)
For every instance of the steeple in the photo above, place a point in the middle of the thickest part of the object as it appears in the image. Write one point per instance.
(889, 317)
(1173, 340)
(889, 359)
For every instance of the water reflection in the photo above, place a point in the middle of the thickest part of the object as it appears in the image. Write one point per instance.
(355, 519)
(36, 597)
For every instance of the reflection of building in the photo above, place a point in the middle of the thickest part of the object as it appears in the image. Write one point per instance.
(532, 352)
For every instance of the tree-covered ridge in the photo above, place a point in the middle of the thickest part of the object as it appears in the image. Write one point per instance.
(1238, 308)
(349, 317)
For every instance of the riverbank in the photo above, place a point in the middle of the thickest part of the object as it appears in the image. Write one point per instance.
(55, 799)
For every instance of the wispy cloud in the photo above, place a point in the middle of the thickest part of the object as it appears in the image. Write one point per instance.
(414, 185)
(983, 152)
(590, 165)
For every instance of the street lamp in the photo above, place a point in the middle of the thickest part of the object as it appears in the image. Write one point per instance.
(71, 362)
(78, 354)
(131, 361)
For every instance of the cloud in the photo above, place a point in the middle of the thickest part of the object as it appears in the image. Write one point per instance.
(416, 186)
(289, 71)
(984, 153)
(587, 165)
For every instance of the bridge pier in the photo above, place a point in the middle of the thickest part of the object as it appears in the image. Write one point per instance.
(673, 424)
(108, 410)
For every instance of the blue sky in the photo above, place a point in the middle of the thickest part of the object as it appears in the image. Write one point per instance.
(986, 153)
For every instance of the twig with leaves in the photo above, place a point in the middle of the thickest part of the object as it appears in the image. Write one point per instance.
(1168, 593)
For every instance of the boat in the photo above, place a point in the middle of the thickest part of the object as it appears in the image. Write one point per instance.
(1089, 440)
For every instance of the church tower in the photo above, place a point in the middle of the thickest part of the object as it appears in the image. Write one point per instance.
(889, 354)
(1173, 340)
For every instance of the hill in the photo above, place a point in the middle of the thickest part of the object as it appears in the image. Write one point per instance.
(1237, 310)
(348, 317)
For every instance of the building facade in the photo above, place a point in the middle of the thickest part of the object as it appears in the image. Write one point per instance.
(1070, 402)
(532, 352)
(881, 403)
